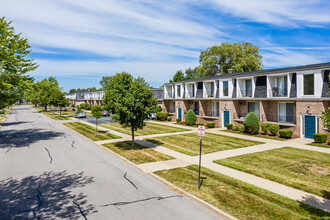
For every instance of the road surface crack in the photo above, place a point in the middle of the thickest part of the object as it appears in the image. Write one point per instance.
(141, 200)
(9, 149)
(39, 195)
(51, 159)
(72, 143)
(130, 181)
(80, 210)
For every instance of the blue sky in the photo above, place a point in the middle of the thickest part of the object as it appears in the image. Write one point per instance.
(79, 41)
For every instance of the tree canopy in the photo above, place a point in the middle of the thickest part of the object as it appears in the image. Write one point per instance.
(216, 60)
(129, 101)
(13, 64)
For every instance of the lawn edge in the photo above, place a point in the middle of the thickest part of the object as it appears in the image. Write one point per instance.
(208, 205)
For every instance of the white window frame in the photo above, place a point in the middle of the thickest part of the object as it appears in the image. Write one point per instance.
(278, 111)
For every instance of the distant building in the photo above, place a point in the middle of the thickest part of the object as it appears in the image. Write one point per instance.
(95, 98)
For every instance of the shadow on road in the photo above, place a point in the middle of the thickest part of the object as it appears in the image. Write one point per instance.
(14, 123)
(22, 138)
(47, 196)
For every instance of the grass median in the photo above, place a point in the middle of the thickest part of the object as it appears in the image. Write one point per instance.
(89, 131)
(302, 169)
(189, 143)
(139, 155)
(150, 128)
(238, 198)
(54, 116)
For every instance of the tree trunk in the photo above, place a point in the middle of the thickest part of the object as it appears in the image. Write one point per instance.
(35, 104)
(60, 111)
(133, 138)
(96, 123)
(45, 108)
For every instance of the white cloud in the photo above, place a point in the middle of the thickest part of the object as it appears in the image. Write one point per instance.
(278, 12)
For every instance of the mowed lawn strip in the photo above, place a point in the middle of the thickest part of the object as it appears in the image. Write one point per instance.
(89, 131)
(55, 116)
(189, 143)
(238, 198)
(302, 169)
(139, 155)
(150, 128)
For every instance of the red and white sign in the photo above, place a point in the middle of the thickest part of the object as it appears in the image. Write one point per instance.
(201, 130)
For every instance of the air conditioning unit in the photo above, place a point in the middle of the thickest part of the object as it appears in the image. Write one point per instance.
(241, 103)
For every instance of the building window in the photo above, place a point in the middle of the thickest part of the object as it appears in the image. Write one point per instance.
(285, 112)
(173, 107)
(253, 107)
(196, 108)
(248, 88)
(309, 84)
(212, 89)
(178, 89)
(282, 85)
(215, 109)
(225, 88)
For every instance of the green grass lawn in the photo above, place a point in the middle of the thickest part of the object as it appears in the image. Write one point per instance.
(89, 131)
(239, 199)
(259, 135)
(320, 145)
(189, 143)
(302, 169)
(151, 128)
(54, 116)
(140, 155)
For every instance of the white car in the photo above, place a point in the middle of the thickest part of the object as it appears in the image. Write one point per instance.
(81, 114)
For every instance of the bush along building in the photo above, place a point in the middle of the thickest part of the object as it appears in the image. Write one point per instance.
(291, 97)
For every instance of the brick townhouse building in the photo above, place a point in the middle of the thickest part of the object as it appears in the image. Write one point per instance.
(291, 97)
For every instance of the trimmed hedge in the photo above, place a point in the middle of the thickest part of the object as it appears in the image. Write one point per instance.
(162, 116)
(274, 129)
(199, 123)
(265, 127)
(285, 133)
(320, 137)
(169, 119)
(229, 126)
(178, 120)
(210, 124)
(251, 123)
(191, 117)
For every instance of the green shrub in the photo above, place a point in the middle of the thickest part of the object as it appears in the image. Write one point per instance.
(265, 127)
(199, 123)
(159, 108)
(178, 120)
(169, 119)
(235, 127)
(285, 133)
(83, 106)
(320, 137)
(229, 126)
(72, 105)
(251, 123)
(65, 110)
(191, 117)
(274, 129)
(210, 124)
(162, 116)
(241, 128)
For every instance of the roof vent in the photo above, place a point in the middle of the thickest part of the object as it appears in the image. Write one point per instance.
(230, 71)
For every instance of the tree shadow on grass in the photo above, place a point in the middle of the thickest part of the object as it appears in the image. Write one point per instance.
(127, 145)
(47, 196)
(316, 207)
(23, 138)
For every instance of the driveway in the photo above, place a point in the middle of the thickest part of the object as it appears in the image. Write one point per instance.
(48, 171)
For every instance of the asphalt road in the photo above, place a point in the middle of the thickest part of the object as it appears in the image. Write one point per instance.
(48, 171)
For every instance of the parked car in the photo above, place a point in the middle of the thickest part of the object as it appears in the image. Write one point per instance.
(153, 116)
(105, 113)
(81, 114)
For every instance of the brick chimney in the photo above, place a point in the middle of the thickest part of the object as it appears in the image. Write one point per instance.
(230, 71)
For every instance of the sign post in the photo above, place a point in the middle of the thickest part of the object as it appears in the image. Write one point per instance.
(201, 133)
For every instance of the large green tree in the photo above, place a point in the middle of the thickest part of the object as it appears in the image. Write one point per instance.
(13, 64)
(129, 101)
(218, 59)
